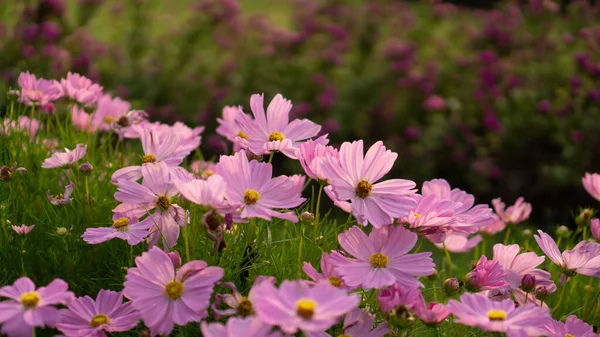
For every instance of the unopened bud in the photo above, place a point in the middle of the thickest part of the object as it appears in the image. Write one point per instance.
(528, 283)
(175, 259)
(541, 293)
(451, 286)
(562, 231)
(307, 216)
(61, 231)
(473, 282)
(86, 168)
(527, 232)
(583, 219)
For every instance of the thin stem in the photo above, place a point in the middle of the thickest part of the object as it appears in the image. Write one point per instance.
(449, 259)
(271, 157)
(185, 238)
(31, 119)
(317, 214)
(507, 236)
(560, 299)
(419, 246)
(586, 312)
(300, 250)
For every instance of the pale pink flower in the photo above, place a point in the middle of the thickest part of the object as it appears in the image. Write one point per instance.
(493, 227)
(124, 228)
(328, 273)
(38, 91)
(61, 198)
(209, 192)
(22, 124)
(582, 259)
(518, 265)
(273, 131)
(432, 218)
(311, 153)
(432, 313)
(238, 304)
(354, 177)
(23, 229)
(239, 327)
(204, 169)
(572, 327)
(81, 89)
(230, 129)
(591, 183)
(251, 188)
(398, 297)
(65, 159)
(107, 113)
(458, 242)
(487, 274)
(343, 205)
(514, 214)
(595, 228)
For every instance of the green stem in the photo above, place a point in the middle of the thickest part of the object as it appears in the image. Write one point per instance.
(586, 312)
(449, 259)
(186, 240)
(31, 119)
(271, 157)
(300, 251)
(419, 246)
(560, 299)
(507, 236)
(317, 214)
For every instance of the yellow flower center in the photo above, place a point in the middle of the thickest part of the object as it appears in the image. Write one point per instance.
(363, 189)
(245, 308)
(496, 315)
(99, 320)
(335, 281)
(121, 224)
(305, 308)
(417, 215)
(344, 336)
(276, 136)
(109, 120)
(163, 203)
(149, 158)
(569, 335)
(174, 289)
(208, 173)
(241, 134)
(30, 299)
(378, 260)
(251, 197)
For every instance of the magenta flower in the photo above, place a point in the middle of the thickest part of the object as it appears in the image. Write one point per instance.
(230, 129)
(86, 317)
(29, 307)
(251, 188)
(595, 228)
(166, 297)
(398, 297)
(518, 265)
(38, 91)
(353, 177)
(154, 193)
(457, 242)
(494, 226)
(124, 228)
(65, 159)
(468, 217)
(239, 305)
(61, 199)
(432, 218)
(298, 306)
(81, 89)
(478, 311)
(591, 183)
(487, 274)
(381, 258)
(328, 273)
(273, 131)
(239, 327)
(358, 323)
(515, 214)
(159, 147)
(22, 230)
(432, 313)
(572, 326)
(311, 153)
(582, 259)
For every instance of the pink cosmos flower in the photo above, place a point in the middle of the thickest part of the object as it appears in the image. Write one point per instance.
(381, 258)
(591, 183)
(398, 297)
(494, 226)
(124, 228)
(154, 193)
(582, 259)
(239, 305)
(572, 326)
(29, 307)
(298, 306)
(595, 228)
(251, 188)
(22, 124)
(64, 159)
(343, 205)
(487, 274)
(273, 131)
(38, 91)
(204, 169)
(478, 311)
(457, 242)
(190, 138)
(515, 214)
(86, 317)
(108, 111)
(209, 192)
(81, 89)
(239, 327)
(61, 199)
(159, 147)
(353, 177)
(518, 265)
(166, 297)
(311, 153)
(468, 217)
(432, 218)
(358, 323)
(22, 230)
(432, 313)
(230, 129)
(328, 273)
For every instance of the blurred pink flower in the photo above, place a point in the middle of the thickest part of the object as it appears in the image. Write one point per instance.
(514, 214)
(328, 273)
(239, 327)
(487, 274)
(396, 296)
(458, 242)
(595, 228)
(61, 199)
(583, 259)
(591, 183)
(38, 91)
(81, 89)
(493, 227)
(432, 217)
(572, 326)
(434, 102)
(65, 159)
(311, 153)
(239, 305)
(229, 127)
(23, 229)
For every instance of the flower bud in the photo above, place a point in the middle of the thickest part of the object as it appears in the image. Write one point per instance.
(562, 231)
(541, 293)
(175, 259)
(307, 216)
(584, 217)
(61, 231)
(451, 286)
(86, 168)
(527, 232)
(473, 282)
(528, 283)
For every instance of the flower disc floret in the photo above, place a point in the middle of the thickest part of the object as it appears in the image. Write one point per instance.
(163, 203)
(251, 197)
(379, 260)
(276, 136)
(496, 315)
(121, 223)
(335, 281)
(174, 289)
(245, 308)
(305, 308)
(98, 320)
(149, 158)
(30, 299)
(363, 189)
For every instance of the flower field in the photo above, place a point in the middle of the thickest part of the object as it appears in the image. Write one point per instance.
(369, 191)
